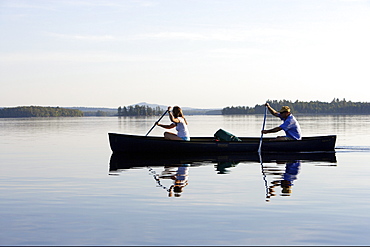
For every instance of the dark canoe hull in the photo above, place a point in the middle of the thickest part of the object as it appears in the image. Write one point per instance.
(146, 144)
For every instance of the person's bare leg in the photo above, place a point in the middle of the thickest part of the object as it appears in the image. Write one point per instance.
(171, 136)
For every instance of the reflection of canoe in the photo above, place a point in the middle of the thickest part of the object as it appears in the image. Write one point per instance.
(145, 144)
(120, 161)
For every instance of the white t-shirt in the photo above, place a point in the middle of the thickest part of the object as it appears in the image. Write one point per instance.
(182, 128)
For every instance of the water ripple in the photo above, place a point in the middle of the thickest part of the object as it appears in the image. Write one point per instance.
(353, 148)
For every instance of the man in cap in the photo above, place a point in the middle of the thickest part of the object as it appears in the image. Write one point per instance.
(290, 124)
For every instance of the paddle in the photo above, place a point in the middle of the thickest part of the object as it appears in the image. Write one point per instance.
(157, 122)
(263, 127)
(260, 156)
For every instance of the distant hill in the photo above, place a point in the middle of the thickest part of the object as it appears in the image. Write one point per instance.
(186, 110)
(164, 107)
(101, 111)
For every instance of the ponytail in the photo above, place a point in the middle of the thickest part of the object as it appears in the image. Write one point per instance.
(177, 112)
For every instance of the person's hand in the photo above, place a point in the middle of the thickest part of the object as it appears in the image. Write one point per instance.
(264, 131)
(169, 108)
(267, 104)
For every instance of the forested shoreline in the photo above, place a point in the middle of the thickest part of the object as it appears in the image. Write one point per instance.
(313, 107)
(336, 106)
(38, 111)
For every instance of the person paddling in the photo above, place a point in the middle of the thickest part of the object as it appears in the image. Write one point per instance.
(178, 120)
(290, 124)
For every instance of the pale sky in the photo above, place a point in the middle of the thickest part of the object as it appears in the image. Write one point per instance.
(194, 53)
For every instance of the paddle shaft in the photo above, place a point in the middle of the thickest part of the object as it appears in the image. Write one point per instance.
(263, 127)
(156, 122)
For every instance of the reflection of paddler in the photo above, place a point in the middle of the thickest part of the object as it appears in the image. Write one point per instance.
(168, 172)
(291, 172)
(287, 187)
(180, 180)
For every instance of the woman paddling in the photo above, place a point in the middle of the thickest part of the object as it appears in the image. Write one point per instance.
(178, 120)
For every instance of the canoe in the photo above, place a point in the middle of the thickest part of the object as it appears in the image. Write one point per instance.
(150, 144)
(123, 161)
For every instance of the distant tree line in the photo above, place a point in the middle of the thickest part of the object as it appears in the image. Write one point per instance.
(98, 113)
(138, 110)
(38, 111)
(336, 106)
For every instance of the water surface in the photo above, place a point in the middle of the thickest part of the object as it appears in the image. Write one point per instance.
(57, 187)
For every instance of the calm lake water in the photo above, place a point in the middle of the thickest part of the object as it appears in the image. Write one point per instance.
(57, 187)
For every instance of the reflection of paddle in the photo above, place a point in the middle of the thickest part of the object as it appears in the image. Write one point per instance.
(157, 122)
(263, 127)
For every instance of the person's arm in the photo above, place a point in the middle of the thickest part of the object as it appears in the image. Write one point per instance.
(167, 126)
(272, 110)
(172, 118)
(274, 130)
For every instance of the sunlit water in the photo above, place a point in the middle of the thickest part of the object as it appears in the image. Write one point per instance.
(56, 188)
